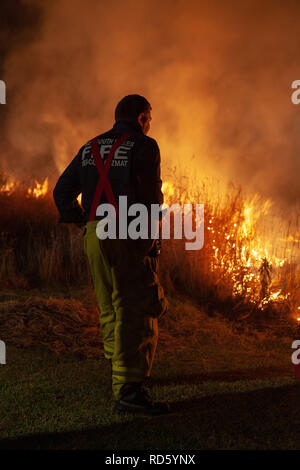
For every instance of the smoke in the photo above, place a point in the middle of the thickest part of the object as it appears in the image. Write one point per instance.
(218, 76)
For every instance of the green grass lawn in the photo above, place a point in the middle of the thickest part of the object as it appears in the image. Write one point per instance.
(63, 402)
(229, 388)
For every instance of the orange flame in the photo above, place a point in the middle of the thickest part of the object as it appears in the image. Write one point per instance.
(40, 189)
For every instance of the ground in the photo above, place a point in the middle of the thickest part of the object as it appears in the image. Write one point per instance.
(228, 387)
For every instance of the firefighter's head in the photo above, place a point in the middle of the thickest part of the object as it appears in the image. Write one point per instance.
(136, 109)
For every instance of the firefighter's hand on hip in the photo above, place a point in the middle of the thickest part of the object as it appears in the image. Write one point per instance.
(156, 249)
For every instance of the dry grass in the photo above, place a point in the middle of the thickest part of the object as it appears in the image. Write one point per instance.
(60, 325)
(35, 249)
(188, 336)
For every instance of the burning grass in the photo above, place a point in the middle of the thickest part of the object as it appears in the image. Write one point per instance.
(243, 268)
(239, 272)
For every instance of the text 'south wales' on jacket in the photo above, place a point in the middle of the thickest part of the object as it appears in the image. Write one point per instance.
(134, 172)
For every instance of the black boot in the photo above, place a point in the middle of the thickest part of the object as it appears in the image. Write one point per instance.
(135, 398)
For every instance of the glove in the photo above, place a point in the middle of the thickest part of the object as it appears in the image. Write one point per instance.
(156, 249)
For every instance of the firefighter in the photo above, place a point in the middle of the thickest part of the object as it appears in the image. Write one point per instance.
(121, 162)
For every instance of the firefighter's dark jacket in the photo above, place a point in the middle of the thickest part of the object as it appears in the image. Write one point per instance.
(135, 172)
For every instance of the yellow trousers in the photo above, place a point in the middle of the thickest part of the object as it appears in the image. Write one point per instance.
(130, 300)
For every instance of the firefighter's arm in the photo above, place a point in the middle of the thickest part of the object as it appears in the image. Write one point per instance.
(149, 182)
(148, 174)
(66, 191)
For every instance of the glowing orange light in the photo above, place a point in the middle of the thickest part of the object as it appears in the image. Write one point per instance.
(39, 190)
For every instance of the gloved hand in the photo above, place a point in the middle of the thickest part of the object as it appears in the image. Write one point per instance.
(156, 249)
